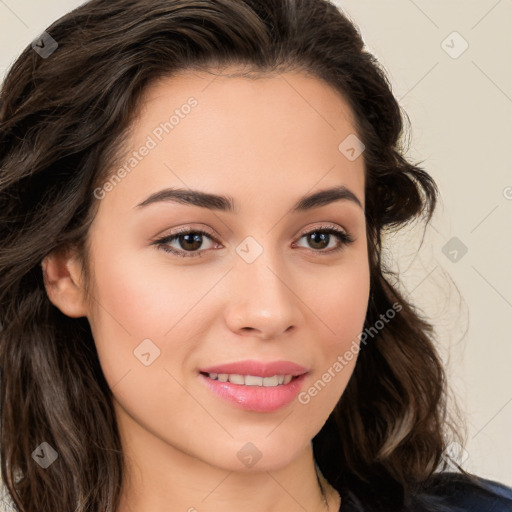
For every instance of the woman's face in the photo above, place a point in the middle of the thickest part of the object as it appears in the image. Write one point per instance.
(266, 283)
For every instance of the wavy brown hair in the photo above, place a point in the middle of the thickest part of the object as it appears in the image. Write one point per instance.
(63, 122)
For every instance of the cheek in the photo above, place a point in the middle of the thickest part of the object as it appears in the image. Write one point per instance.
(131, 306)
(341, 304)
(341, 308)
(136, 301)
(141, 297)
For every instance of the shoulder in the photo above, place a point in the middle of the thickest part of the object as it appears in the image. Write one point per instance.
(470, 493)
(444, 492)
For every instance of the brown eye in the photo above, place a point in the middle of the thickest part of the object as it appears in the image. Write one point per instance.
(320, 238)
(189, 242)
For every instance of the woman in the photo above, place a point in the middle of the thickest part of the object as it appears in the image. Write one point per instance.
(195, 312)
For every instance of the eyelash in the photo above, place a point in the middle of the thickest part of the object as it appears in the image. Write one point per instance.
(162, 243)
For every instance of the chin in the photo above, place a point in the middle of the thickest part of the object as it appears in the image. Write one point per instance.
(259, 453)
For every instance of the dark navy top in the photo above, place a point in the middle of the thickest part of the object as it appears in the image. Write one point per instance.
(451, 492)
(464, 496)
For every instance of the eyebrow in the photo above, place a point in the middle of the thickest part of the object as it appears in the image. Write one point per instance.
(227, 203)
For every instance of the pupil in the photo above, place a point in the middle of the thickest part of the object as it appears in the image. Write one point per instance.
(196, 241)
(322, 236)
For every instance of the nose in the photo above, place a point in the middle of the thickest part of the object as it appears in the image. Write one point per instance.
(262, 302)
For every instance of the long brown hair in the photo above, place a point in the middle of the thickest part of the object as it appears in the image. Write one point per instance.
(63, 120)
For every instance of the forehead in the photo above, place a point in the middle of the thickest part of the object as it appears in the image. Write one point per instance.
(214, 132)
(302, 94)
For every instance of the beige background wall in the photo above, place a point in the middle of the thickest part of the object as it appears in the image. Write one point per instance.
(459, 101)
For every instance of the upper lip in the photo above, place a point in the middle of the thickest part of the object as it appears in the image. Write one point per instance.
(257, 368)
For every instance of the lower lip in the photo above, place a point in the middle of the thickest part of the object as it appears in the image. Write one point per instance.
(256, 398)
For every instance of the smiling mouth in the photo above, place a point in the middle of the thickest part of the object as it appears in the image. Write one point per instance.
(254, 392)
(251, 380)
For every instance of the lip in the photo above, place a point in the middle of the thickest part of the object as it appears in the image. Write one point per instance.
(258, 368)
(257, 398)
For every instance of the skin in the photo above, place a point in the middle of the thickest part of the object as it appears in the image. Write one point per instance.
(266, 143)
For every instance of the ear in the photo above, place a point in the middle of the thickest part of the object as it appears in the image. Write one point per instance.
(62, 274)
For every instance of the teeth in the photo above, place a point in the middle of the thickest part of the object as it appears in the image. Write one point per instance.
(236, 379)
(271, 381)
(252, 380)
